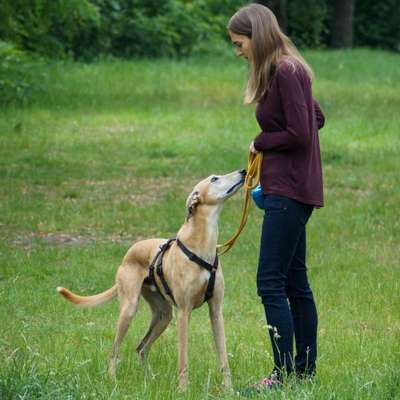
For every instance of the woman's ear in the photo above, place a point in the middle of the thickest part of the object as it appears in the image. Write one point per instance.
(191, 203)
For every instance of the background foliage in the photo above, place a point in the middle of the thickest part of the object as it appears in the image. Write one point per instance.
(86, 30)
(307, 22)
(377, 24)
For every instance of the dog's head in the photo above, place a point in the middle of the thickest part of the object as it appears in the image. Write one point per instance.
(214, 190)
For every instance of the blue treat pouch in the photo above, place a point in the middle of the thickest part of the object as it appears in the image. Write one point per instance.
(258, 197)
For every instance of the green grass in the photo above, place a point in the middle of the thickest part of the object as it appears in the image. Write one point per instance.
(108, 154)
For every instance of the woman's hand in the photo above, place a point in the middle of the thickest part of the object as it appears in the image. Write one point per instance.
(252, 149)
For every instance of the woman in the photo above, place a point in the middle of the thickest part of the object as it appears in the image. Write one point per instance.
(279, 84)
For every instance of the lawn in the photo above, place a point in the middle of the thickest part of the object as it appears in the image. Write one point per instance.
(106, 155)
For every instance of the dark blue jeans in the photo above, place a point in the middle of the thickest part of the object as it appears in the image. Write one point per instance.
(283, 286)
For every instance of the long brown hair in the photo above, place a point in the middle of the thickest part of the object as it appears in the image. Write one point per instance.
(269, 46)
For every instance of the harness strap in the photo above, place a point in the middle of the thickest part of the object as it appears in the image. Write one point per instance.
(196, 259)
(210, 286)
(156, 268)
(160, 272)
(204, 264)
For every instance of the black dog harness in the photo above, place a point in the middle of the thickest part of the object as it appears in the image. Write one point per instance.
(156, 268)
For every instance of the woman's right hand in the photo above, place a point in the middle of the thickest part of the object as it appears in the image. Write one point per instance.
(252, 149)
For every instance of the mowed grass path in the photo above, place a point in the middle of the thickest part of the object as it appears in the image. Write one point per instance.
(108, 155)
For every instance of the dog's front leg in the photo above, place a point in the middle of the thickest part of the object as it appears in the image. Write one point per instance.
(183, 326)
(217, 324)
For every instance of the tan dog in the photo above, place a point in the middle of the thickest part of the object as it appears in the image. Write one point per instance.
(187, 280)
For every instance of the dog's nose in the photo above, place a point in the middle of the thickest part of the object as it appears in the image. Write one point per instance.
(243, 172)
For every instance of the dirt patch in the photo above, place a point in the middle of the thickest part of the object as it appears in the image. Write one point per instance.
(63, 239)
(115, 129)
(52, 239)
(60, 239)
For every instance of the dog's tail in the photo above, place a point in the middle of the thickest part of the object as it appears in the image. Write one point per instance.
(88, 301)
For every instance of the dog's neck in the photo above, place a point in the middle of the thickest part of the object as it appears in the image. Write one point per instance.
(200, 232)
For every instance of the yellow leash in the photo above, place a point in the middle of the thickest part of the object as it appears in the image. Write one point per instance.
(251, 181)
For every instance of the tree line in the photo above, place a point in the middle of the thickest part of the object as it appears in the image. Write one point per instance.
(86, 29)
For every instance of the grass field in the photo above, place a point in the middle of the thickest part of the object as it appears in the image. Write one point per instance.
(107, 156)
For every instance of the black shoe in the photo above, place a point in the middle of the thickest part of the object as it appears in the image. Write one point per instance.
(305, 376)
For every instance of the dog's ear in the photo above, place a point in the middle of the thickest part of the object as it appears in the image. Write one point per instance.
(191, 203)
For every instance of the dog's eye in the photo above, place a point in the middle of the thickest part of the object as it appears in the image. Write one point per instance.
(214, 178)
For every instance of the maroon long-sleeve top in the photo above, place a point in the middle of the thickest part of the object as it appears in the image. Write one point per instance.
(290, 118)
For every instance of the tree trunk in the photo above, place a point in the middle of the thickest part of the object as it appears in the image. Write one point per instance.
(278, 7)
(342, 23)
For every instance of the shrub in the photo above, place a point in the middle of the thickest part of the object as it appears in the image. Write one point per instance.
(52, 28)
(307, 22)
(20, 74)
(157, 29)
(171, 29)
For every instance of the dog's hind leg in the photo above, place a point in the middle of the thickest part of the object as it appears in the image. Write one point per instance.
(129, 281)
(217, 324)
(161, 317)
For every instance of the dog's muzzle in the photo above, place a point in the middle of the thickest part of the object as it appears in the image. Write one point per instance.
(238, 184)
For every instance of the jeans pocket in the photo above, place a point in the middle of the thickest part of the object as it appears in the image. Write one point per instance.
(273, 204)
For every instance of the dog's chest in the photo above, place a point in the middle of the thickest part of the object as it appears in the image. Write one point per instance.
(196, 288)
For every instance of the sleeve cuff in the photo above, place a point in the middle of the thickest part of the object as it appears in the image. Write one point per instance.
(257, 142)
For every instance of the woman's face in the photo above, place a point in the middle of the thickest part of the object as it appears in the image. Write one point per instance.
(242, 45)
